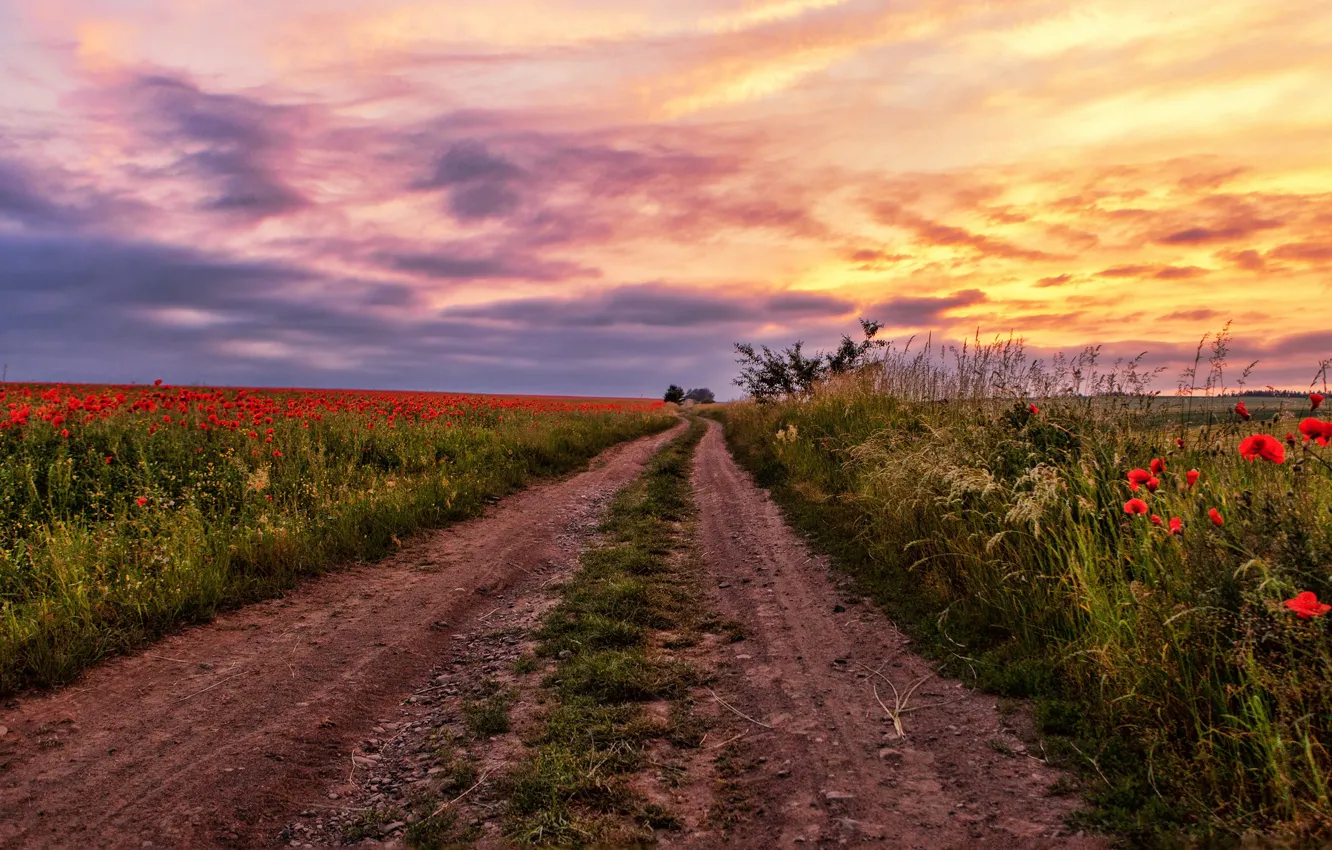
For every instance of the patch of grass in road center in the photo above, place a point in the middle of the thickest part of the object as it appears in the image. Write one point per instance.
(633, 595)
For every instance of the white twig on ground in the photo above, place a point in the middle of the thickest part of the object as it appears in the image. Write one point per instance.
(445, 805)
(736, 710)
(214, 685)
(164, 658)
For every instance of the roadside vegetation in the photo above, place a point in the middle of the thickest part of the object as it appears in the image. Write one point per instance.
(1151, 571)
(126, 511)
(612, 641)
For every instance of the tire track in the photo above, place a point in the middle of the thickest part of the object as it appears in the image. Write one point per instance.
(216, 736)
(832, 766)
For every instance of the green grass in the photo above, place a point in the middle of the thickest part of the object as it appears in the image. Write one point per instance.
(605, 638)
(228, 517)
(1197, 704)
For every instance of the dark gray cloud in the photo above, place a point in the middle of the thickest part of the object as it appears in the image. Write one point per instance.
(922, 311)
(656, 305)
(22, 201)
(481, 184)
(234, 145)
(91, 309)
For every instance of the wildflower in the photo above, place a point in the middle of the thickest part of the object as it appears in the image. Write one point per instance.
(1315, 399)
(1216, 517)
(1306, 605)
(277, 453)
(1135, 507)
(109, 459)
(1241, 411)
(1156, 520)
(141, 501)
(1313, 429)
(1176, 525)
(1179, 442)
(1153, 483)
(1192, 477)
(1138, 477)
(1290, 439)
(1033, 409)
(64, 432)
(1158, 466)
(1263, 446)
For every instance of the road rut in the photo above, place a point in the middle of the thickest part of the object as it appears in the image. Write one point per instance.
(217, 735)
(833, 768)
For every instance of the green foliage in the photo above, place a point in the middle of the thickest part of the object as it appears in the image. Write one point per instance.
(767, 375)
(86, 571)
(573, 787)
(998, 538)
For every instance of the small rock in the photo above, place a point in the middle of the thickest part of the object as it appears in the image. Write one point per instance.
(390, 828)
(4, 730)
(838, 609)
(724, 584)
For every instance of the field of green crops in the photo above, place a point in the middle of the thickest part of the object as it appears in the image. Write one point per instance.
(1148, 569)
(126, 511)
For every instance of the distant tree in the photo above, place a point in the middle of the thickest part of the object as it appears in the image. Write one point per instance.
(702, 395)
(766, 375)
(674, 394)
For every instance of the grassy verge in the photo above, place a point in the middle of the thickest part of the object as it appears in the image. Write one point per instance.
(997, 537)
(124, 522)
(611, 640)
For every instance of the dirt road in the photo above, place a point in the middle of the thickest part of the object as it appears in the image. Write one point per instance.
(220, 735)
(834, 768)
(216, 735)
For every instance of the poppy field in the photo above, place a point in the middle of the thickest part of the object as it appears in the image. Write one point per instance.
(126, 511)
(1157, 581)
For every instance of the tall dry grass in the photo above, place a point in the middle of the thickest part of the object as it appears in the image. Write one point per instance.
(1000, 535)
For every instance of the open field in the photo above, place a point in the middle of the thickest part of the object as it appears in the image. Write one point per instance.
(1001, 537)
(125, 511)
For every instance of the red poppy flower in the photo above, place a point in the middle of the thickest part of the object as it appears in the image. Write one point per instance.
(1191, 476)
(1290, 439)
(1153, 483)
(1135, 507)
(1033, 409)
(1306, 605)
(64, 432)
(1313, 429)
(1158, 466)
(141, 501)
(1138, 477)
(1241, 411)
(1176, 525)
(1315, 399)
(1156, 520)
(109, 459)
(1263, 446)
(1179, 441)
(1216, 517)
(277, 453)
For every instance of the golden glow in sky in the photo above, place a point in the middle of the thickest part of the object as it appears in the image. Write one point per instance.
(645, 182)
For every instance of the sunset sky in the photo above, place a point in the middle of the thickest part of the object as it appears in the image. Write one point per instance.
(601, 196)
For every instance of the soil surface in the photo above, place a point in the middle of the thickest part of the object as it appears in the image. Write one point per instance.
(815, 666)
(220, 734)
(291, 722)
